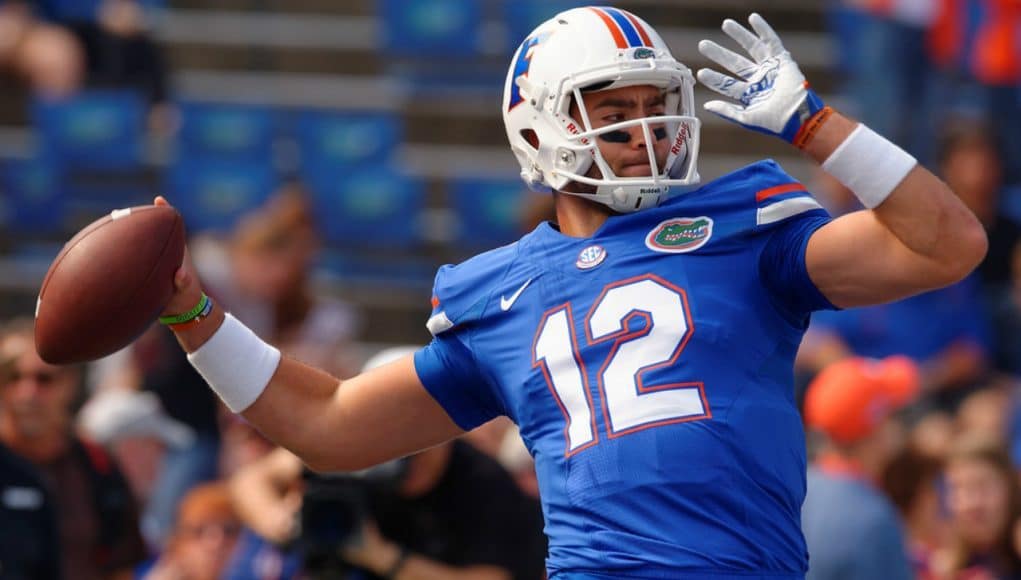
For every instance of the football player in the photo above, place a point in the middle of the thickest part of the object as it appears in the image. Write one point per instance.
(644, 343)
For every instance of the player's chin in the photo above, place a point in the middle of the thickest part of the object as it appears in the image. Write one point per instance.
(636, 170)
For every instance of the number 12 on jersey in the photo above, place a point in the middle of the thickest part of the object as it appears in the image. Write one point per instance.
(628, 405)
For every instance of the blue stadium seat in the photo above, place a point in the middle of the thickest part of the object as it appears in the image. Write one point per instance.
(212, 195)
(333, 140)
(373, 207)
(89, 201)
(226, 131)
(93, 129)
(32, 197)
(416, 28)
(522, 16)
(489, 210)
(347, 268)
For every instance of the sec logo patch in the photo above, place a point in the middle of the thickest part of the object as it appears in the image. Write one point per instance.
(590, 257)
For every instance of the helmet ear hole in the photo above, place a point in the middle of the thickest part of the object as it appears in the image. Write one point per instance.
(531, 138)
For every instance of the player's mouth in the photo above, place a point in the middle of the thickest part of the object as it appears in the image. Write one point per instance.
(636, 170)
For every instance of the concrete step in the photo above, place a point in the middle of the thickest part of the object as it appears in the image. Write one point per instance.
(782, 14)
(345, 7)
(362, 34)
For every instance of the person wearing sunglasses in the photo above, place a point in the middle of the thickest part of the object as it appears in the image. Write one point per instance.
(97, 516)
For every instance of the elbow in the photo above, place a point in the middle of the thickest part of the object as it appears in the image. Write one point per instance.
(974, 246)
(336, 462)
(970, 246)
(327, 464)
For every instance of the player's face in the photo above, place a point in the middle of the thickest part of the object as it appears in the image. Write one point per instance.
(626, 151)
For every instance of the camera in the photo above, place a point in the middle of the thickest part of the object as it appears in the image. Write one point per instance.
(333, 510)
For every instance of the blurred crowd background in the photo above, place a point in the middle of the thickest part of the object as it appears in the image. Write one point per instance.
(329, 155)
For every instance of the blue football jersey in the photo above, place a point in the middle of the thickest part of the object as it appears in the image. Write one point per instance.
(650, 370)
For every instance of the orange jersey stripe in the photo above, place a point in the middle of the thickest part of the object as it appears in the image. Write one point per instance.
(618, 36)
(778, 190)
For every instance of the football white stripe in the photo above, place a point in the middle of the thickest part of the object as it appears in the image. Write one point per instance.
(782, 210)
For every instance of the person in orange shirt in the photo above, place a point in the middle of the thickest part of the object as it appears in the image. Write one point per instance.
(977, 46)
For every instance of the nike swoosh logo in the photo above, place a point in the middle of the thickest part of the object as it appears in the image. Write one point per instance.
(506, 303)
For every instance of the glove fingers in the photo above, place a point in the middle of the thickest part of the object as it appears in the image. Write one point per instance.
(721, 83)
(767, 35)
(746, 39)
(726, 110)
(726, 58)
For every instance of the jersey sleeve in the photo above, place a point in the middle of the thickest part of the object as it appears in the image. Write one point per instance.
(448, 371)
(787, 215)
(448, 367)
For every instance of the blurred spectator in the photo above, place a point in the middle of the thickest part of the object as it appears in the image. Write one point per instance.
(488, 438)
(178, 437)
(29, 540)
(97, 516)
(119, 49)
(976, 44)
(911, 480)
(515, 458)
(440, 519)
(883, 46)
(203, 539)
(984, 504)
(851, 529)
(49, 58)
(1006, 319)
(266, 282)
(430, 515)
(944, 331)
(985, 413)
(933, 433)
(971, 163)
(136, 430)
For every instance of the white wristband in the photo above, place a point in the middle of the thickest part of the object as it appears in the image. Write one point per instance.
(869, 165)
(236, 363)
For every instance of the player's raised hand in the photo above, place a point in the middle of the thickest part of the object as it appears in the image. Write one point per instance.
(187, 291)
(771, 93)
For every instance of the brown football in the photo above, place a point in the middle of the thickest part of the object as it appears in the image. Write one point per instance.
(108, 284)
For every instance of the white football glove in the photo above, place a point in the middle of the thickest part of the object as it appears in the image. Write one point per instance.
(773, 95)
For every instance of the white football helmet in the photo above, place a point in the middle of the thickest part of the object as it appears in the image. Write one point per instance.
(592, 49)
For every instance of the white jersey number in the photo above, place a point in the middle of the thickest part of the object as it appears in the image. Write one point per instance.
(628, 404)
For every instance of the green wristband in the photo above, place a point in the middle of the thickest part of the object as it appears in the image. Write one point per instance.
(187, 316)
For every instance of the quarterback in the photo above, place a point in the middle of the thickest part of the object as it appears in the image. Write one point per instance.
(644, 343)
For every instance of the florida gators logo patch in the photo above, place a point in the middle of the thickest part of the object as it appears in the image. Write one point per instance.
(678, 235)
